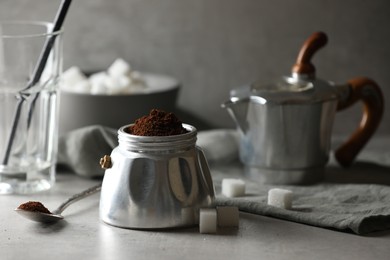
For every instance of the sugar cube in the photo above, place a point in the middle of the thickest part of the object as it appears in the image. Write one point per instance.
(280, 198)
(74, 80)
(72, 76)
(119, 68)
(117, 85)
(208, 221)
(82, 87)
(227, 216)
(98, 83)
(233, 187)
(99, 77)
(98, 88)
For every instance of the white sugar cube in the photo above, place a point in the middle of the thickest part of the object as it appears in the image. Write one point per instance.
(72, 76)
(233, 187)
(280, 198)
(99, 77)
(208, 221)
(98, 83)
(98, 88)
(227, 216)
(117, 85)
(82, 87)
(119, 68)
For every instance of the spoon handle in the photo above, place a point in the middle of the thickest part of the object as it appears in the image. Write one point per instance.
(77, 197)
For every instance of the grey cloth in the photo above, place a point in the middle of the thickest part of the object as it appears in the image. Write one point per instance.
(356, 199)
(80, 150)
(360, 208)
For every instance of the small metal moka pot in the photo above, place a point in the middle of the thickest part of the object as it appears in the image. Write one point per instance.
(154, 182)
(286, 126)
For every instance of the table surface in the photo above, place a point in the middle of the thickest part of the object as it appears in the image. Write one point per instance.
(83, 236)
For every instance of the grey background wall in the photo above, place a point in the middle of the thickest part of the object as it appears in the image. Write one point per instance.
(212, 46)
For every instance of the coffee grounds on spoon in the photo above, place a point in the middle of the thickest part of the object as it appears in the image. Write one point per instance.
(157, 123)
(34, 206)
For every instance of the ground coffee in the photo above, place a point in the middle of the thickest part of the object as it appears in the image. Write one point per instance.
(157, 123)
(34, 206)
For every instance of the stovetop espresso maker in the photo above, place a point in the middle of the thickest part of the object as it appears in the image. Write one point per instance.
(285, 127)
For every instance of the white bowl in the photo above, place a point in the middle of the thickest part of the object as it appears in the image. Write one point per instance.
(79, 109)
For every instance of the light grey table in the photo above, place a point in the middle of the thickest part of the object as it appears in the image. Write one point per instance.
(83, 236)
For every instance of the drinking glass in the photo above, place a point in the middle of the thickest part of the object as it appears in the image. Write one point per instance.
(28, 115)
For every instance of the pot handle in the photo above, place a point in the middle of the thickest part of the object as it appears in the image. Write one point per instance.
(369, 93)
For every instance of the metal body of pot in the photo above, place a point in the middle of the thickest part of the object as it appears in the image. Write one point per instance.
(156, 182)
(283, 135)
(286, 126)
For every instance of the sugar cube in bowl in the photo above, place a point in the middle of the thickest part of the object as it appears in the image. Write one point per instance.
(93, 105)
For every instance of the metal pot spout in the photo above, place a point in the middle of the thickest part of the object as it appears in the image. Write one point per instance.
(238, 110)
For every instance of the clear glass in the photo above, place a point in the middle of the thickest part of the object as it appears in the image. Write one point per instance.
(27, 163)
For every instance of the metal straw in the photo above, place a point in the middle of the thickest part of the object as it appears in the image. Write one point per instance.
(58, 21)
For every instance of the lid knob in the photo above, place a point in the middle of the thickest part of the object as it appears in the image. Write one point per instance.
(303, 64)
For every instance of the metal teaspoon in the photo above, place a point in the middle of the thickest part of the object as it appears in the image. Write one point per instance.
(56, 214)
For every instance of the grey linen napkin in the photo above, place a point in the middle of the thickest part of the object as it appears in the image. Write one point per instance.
(80, 150)
(355, 199)
(360, 208)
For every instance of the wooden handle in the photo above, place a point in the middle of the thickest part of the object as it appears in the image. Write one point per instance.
(303, 64)
(369, 93)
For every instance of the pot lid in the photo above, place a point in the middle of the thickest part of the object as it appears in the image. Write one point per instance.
(300, 87)
(293, 90)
